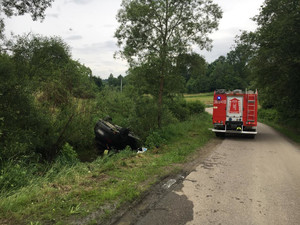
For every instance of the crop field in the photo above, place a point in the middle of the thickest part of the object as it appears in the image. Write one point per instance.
(206, 98)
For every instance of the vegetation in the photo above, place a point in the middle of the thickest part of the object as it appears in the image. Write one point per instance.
(40, 100)
(227, 72)
(288, 127)
(276, 63)
(71, 190)
(47, 93)
(267, 59)
(49, 103)
(273, 62)
(153, 33)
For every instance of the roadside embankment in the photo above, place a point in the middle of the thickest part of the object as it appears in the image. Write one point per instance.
(92, 192)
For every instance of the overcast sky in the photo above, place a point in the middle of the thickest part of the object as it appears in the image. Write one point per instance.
(88, 27)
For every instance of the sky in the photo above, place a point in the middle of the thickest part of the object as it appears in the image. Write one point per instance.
(88, 27)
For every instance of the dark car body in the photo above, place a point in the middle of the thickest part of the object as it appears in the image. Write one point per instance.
(110, 136)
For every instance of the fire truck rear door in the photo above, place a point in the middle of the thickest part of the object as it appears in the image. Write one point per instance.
(234, 109)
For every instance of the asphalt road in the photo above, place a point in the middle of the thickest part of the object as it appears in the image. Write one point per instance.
(241, 181)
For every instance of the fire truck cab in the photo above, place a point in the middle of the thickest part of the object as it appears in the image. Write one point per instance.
(235, 112)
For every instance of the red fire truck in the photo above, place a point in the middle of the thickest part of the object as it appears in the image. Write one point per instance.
(235, 112)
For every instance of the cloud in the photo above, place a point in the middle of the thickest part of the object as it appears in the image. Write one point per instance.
(100, 47)
(99, 57)
(225, 33)
(80, 2)
(74, 37)
(115, 67)
(221, 46)
(54, 15)
(109, 26)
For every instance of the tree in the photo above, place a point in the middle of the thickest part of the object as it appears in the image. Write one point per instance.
(145, 79)
(158, 31)
(222, 75)
(98, 82)
(277, 60)
(40, 91)
(193, 68)
(36, 8)
(112, 81)
(20, 121)
(240, 57)
(235, 71)
(48, 64)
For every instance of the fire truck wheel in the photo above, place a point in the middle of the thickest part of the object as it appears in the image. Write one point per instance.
(251, 136)
(218, 134)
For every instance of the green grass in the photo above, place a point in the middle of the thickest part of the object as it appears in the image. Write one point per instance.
(206, 98)
(289, 128)
(105, 184)
(288, 131)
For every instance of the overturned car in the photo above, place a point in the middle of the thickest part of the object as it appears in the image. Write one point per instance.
(110, 136)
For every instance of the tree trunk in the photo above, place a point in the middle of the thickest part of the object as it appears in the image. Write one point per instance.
(163, 57)
(160, 101)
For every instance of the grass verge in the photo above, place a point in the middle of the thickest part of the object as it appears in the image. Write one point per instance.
(91, 192)
(289, 128)
(290, 132)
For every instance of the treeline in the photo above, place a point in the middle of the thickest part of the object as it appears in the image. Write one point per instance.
(227, 72)
(195, 75)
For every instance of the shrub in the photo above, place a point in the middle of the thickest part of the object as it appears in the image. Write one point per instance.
(178, 107)
(144, 117)
(195, 107)
(268, 114)
(117, 105)
(79, 132)
(155, 139)
(24, 127)
(67, 156)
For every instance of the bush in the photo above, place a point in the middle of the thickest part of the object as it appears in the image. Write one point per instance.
(117, 105)
(67, 156)
(287, 126)
(79, 132)
(24, 127)
(66, 159)
(155, 139)
(195, 107)
(144, 117)
(136, 112)
(268, 114)
(178, 107)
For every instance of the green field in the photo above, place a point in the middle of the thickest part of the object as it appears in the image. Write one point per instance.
(206, 98)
